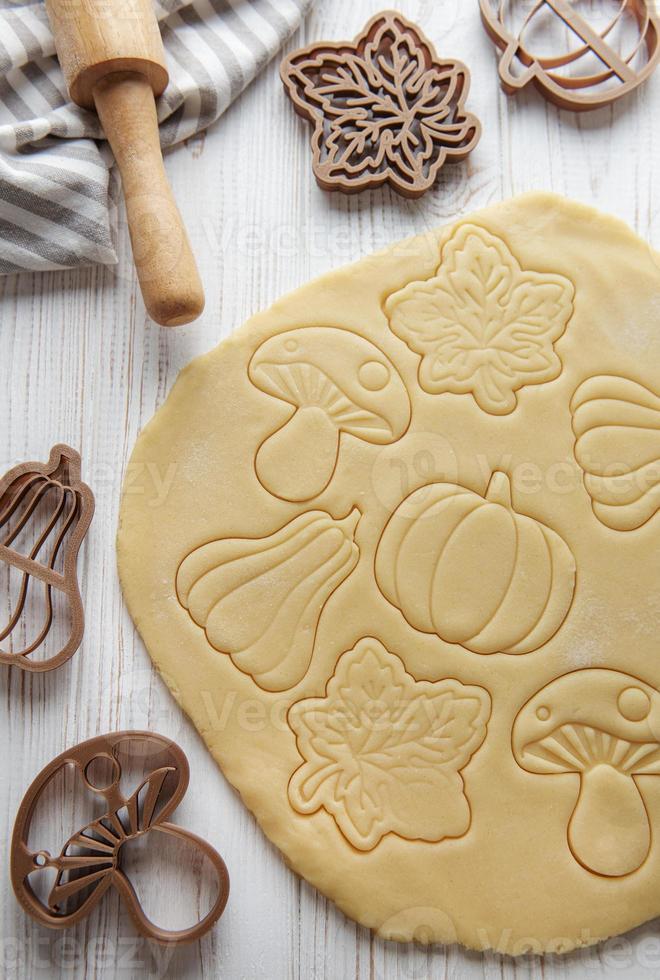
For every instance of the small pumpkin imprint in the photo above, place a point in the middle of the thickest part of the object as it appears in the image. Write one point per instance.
(474, 571)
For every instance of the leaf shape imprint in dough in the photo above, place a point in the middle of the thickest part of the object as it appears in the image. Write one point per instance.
(383, 753)
(483, 325)
(260, 599)
(616, 422)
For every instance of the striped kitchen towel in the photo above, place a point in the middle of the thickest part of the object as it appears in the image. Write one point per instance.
(58, 188)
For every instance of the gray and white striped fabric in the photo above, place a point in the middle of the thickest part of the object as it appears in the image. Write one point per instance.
(58, 188)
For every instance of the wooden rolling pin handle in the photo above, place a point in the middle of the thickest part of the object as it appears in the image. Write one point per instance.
(165, 264)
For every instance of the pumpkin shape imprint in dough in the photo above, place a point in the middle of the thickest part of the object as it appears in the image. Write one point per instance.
(474, 571)
(617, 426)
(260, 599)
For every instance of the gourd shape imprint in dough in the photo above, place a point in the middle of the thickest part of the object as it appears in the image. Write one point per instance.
(617, 425)
(259, 600)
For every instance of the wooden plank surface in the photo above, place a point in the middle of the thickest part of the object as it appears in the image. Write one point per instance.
(81, 364)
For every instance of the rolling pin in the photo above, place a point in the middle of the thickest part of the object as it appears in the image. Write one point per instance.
(113, 61)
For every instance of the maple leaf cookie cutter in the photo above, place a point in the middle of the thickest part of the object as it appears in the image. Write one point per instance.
(45, 513)
(90, 861)
(385, 108)
(618, 72)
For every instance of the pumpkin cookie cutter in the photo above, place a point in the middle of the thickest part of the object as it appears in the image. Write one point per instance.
(90, 861)
(52, 557)
(518, 67)
(385, 108)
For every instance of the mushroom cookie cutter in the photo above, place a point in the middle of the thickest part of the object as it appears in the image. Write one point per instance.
(90, 861)
(612, 68)
(45, 513)
(604, 726)
(385, 108)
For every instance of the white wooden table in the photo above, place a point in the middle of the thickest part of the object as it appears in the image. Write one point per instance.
(80, 363)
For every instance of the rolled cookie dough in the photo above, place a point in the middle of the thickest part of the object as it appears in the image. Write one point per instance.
(405, 577)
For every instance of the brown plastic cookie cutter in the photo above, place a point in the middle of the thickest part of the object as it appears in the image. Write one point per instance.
(45, 508)
(619, 72)
(385, 108)
(90, 861)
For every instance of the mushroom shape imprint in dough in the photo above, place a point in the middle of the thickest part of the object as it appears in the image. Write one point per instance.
(336, 382)
(605, 726)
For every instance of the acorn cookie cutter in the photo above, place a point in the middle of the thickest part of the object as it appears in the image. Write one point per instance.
(519, 67)
(90, 861)
(52, 555)
(386, 109)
